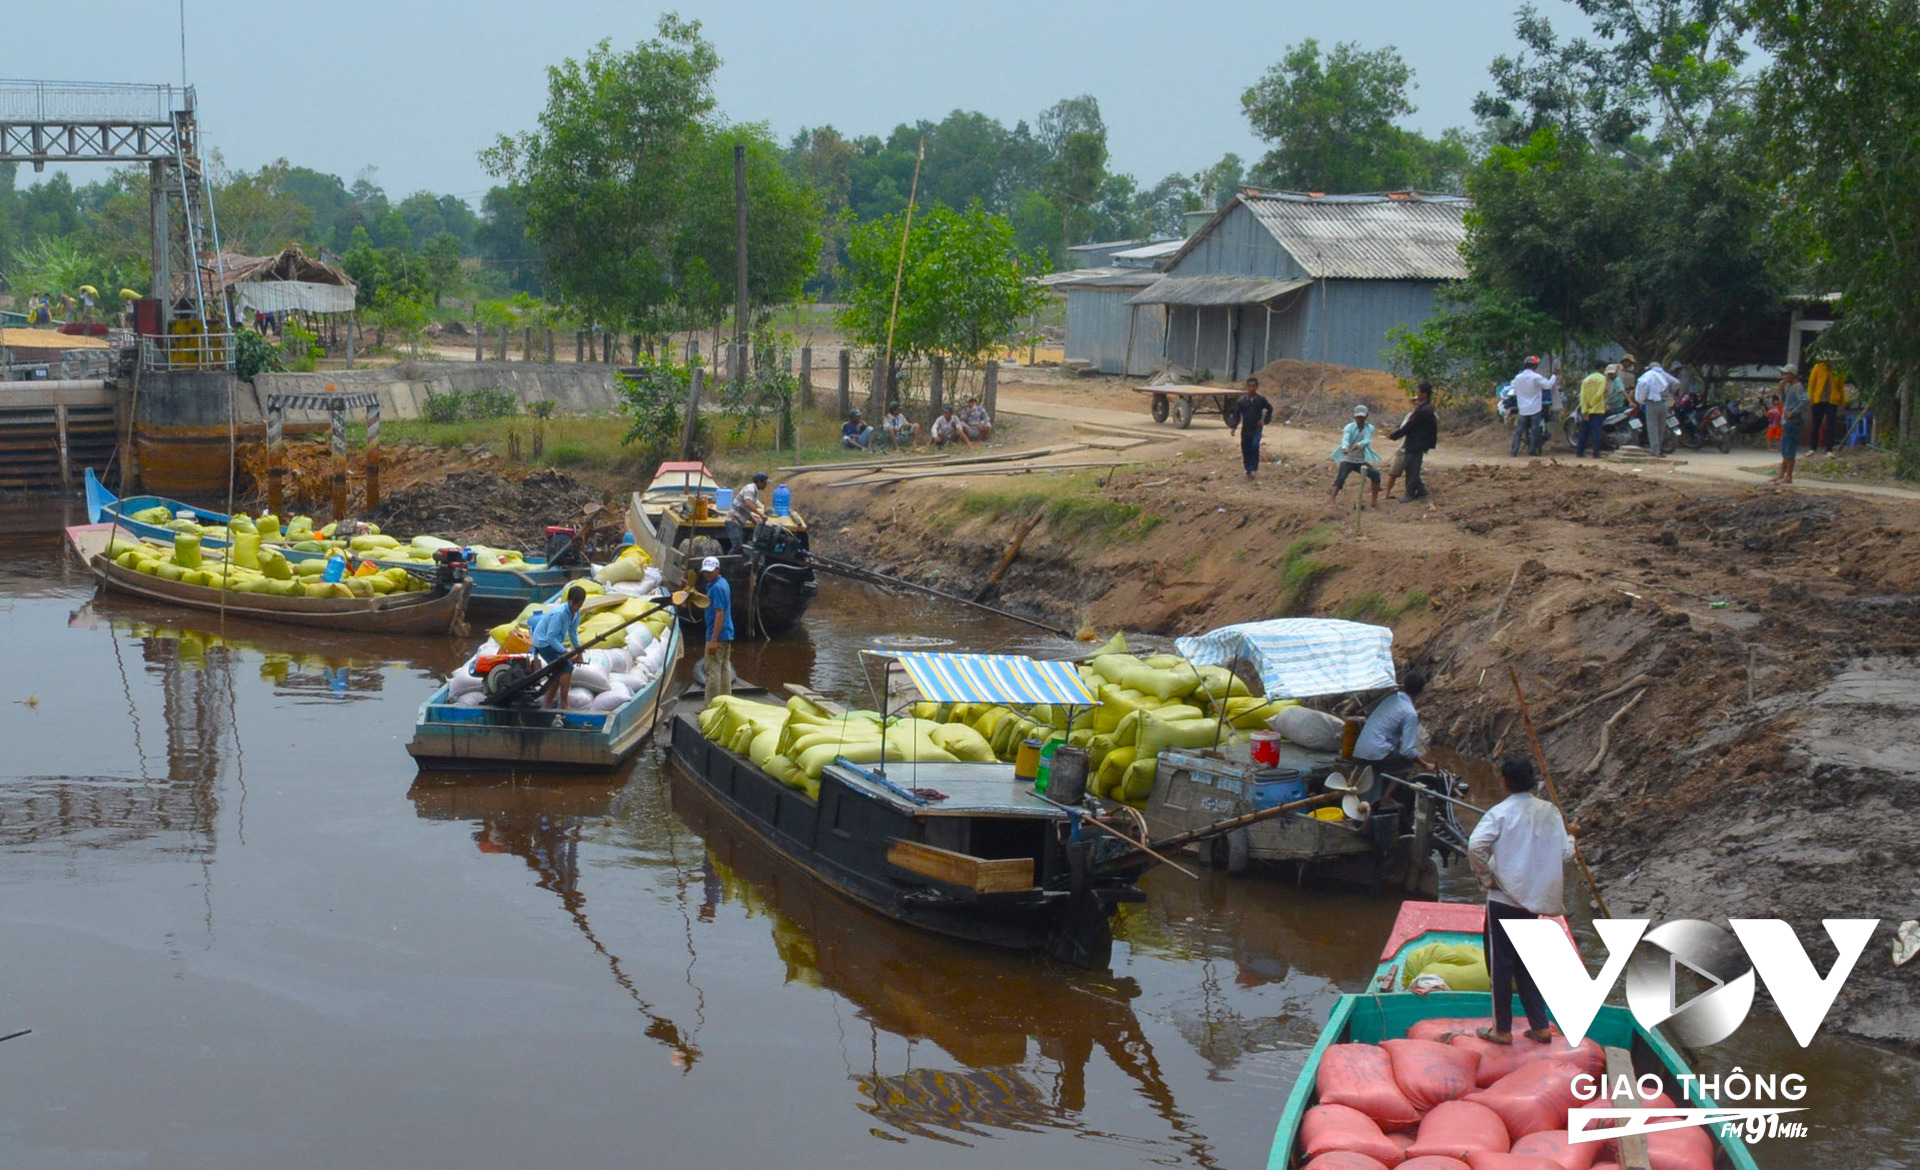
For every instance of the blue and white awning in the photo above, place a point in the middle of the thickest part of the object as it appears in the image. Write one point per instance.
(1298, 658)
(993, 678)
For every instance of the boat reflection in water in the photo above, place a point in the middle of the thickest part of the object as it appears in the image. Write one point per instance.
(979, 1007)
(540, 820)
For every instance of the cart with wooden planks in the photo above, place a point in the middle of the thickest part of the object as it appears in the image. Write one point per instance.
(1182, 401)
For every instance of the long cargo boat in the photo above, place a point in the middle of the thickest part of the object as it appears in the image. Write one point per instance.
(1386, 1011)
(677, 523)
(492, 590)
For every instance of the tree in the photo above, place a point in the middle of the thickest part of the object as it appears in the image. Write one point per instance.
(965, 286)
(501, 239)
(783, 227)
(1333, 119)
(258, 214)
(440, 260)
(1841, 103)
(603, 173)
(1074, 178)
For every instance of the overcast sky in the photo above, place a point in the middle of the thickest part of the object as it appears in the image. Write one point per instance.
(415, 89)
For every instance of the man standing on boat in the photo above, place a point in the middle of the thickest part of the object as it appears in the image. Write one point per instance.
(553, 629)
(1519, 851)
(719, 629)
(747, 511)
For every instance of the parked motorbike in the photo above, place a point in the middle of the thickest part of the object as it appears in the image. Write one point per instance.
(1700, 422)
(1622, 427)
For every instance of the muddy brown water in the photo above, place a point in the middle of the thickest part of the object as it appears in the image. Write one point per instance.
(244, 932)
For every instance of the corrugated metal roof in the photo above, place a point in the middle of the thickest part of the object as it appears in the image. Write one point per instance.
(1149, 253)
(1359, 237)
(1099, 278)
(1215, 290)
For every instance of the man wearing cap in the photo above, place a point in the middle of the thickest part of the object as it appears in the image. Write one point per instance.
(901, 430)
(1249, 414)
(1593, 414)
(1653, 390)
(747, 511)
(947, 429)
(855, 433)
(1355, 453)
(719, 629)
(1530, 392)
(975, 420)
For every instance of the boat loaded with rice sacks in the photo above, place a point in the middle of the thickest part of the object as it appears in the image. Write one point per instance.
(1400, 1078)
(678, 522)
(488, 715)
(435, 609)
(498, 586)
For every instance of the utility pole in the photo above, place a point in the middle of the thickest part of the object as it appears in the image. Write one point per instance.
(739, 370)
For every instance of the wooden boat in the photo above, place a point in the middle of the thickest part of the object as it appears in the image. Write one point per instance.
(439, 611)
(675, 523)
(490, 589)
(1384, 1013)
(446, 735)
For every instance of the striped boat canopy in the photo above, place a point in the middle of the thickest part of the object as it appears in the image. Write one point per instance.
(994, 678)
(1299, 658)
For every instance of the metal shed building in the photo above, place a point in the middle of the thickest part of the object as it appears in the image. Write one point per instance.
(1104, 326)
(1281, 275)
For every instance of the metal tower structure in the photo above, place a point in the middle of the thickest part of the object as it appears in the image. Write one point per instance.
(45, 122)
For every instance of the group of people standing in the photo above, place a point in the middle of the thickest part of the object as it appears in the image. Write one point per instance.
(1603, 392)
(965, 427)
(1419, 433)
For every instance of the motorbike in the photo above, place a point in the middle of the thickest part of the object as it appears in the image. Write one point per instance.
(1701, 422)
(1622, 427)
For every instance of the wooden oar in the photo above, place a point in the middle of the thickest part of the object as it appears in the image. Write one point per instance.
(1553, 790)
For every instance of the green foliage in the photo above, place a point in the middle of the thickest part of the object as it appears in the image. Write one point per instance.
(1474, 342)
(541, 408)
(490, 402)
(1069, 504)
(300, 350)
(54, 265)
(783, 226)
(1300, 573)
(655, 402)
(1332, 122)
(405, 316)
(965, 285)
(254, 354)
(1376, 607)
(444, 407)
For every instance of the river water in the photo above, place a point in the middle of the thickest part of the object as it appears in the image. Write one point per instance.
(245, 933)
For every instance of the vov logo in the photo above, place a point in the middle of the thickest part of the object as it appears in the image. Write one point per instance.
(1727, 962)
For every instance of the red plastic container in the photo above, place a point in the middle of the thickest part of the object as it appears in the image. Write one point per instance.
(1266, 748)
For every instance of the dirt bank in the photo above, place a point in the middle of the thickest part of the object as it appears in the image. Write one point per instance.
(1767, 767)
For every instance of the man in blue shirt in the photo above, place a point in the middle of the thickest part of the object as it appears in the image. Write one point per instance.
(1389, 741)
(855, 433)
(719, 629)
(553, 628)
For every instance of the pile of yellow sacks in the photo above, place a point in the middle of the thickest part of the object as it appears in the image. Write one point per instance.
(252, 569)
(301, 535)
(1147, 705)
(603, 612)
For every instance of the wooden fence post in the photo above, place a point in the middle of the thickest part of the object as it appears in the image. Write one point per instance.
(934, 392)
(844, 403)
(990, 393)
(549, 345)
(479, 348)
(606, 348)
(877, 388)
(693, 413)
(806, 377)
(579, 346)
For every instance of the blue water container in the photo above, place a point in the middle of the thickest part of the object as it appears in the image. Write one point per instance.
(336, 569)
(782, 500)
(723, 499)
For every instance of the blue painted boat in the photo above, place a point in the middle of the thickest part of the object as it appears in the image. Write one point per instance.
(447, 735)
(1386, 1012)
(494, 590)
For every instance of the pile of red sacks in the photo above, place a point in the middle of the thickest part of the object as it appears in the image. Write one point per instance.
(1444, 1099)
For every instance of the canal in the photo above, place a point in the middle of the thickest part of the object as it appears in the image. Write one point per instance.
(244, 932)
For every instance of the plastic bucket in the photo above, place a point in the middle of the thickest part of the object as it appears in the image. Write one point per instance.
(1266, 748)
(1067, 783)
(1026, 760)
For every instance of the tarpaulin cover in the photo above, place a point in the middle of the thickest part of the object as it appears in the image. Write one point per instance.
(1298, 658)
(993, 678)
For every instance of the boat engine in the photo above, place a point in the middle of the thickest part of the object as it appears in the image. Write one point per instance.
(450, 567)
(505, 676)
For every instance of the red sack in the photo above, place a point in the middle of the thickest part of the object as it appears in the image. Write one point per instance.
(1361, 1076)
(1680, 1149)
(1554, 1145)
(1327, 1128)
(1434, 1162)
(1429, 1072)
(1457, 1128)
(1510, 1162)
(1439, 1029)
(1345, 1160)
(1401, 1138)
(1533, 1097)
(1497, 1060)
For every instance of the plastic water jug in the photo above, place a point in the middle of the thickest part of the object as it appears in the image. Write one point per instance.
(335, 570)
(782, 500)
(723, 499)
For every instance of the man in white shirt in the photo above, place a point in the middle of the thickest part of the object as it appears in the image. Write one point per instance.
(1519, 851)
(747, 511)
(1654, 391)
(947, 429)
(1530, 392)
(977, 422)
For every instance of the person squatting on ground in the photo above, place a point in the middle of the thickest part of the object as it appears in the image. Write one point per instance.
(1355, 453)
(947, 429)
(1419, 433)
(1593, 415)
(901, 431)
(1653, 390)
(719, 629)
(1794, 407)
(855, 433)
(1530, 392)
(976, 422)
(553, 630)
(1519, 851)
(1249, 414)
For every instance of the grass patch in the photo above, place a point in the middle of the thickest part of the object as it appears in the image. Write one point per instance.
(1069, 503)
(1378, 608)
(1300, 573)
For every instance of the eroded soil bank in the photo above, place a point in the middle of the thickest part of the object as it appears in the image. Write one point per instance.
(1765, 641)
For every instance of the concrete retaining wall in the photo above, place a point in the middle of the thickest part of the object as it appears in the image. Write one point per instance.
(201, 399)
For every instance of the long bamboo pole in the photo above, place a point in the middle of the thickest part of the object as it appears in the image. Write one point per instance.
(900, 269)
(1553, 790)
